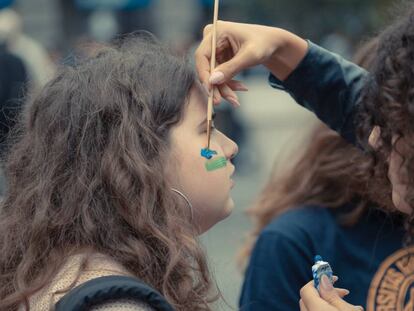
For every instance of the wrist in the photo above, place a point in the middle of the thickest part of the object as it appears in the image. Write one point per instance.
(289, 51)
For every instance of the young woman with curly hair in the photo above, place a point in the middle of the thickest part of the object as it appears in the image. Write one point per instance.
(379, 106)
(320, 190)
(106, 178)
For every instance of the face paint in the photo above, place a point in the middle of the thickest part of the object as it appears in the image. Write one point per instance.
(207, 153)
(216, 164)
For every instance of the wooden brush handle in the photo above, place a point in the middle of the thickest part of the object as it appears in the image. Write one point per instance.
(212, 67)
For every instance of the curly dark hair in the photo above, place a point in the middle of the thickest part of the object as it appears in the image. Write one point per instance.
(387, 101)
(88, 172)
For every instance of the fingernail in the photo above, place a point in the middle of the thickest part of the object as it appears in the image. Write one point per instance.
(241, 87)
(234, 101)
(326, 283)
(360, 308)
(217, 77)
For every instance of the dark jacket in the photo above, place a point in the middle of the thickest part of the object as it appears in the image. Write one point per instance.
(13, 82)
(330, 87)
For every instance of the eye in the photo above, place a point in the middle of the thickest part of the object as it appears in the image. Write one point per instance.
(213, 126)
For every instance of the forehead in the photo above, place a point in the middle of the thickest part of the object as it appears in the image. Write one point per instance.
(197, 103)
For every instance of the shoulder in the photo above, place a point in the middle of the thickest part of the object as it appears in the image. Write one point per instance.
(292, 233)
(10, 59)
(291, 240)
(72, 275)
(301, 222)
(296, 233)
(124, 305)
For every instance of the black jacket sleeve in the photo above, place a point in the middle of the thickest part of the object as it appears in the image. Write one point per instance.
(327, 85)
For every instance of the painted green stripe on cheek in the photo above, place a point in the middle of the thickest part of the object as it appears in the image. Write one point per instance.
(216, 163)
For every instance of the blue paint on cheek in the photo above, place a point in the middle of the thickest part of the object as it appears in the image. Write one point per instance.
(207, 153)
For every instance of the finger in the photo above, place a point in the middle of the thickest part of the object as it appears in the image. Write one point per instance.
(228, 94)
(224, 51)
(207, 29)
(217, 97)
(237, 86)
(227, 70)
(302, 306)
(342, 292)
(330, 295)
(312, 300)
(202, 60)
(203, 55)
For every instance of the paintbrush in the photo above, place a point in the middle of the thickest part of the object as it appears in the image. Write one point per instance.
(212, 67)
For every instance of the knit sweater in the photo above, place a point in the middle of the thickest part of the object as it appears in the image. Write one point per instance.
(99, 265)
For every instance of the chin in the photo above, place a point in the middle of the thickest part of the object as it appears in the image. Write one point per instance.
(217, 217)
(229, 208)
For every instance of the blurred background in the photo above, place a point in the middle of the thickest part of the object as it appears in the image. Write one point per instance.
(40, 34)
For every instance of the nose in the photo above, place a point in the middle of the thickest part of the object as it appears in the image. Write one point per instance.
(230, 148)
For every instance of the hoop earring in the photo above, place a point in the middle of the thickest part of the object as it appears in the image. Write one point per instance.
(190, 206)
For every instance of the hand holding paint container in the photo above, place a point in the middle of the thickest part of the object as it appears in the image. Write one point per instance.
(321, 268)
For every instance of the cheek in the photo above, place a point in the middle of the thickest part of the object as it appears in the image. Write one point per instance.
(208, 192)
(193, 172)
(201, 184)
(399, 189)
(395, 170)
(398, 194)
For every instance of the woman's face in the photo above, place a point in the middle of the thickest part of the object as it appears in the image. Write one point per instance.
(208, 191)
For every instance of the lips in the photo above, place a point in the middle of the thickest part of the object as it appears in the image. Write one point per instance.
(233, 169)
(232, 183)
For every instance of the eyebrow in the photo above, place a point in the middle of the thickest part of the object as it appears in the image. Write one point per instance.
(204, 123)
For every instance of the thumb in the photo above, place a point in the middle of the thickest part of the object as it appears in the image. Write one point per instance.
(330, 295)
(226, 71)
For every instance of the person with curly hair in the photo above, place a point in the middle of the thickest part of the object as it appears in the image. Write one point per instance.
(377, 108)
(106, 178)
(320, 190)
